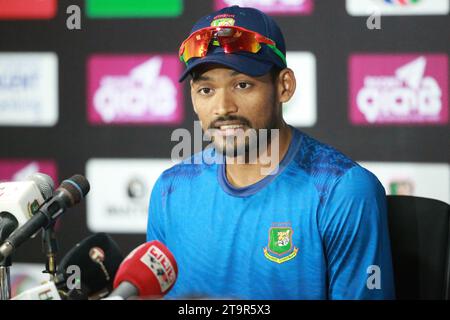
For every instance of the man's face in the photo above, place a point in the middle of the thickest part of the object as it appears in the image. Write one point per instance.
(231, 104)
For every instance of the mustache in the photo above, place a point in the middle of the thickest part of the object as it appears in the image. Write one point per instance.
(240, 119)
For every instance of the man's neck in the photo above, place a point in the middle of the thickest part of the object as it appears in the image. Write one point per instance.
(244, 174)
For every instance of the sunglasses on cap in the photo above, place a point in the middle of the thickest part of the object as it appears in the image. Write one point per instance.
(230, 38)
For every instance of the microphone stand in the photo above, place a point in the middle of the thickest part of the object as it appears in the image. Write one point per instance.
(5, 281)
(50, 248)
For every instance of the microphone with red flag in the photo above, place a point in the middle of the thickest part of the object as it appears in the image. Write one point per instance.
(149, 271)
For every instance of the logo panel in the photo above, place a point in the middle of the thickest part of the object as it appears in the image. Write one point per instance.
(120, 193)
(28, 89)
(28, 9)
(134, 89)
(133, 8)
(398, 89)
(273, 7)
(397, 7)
(428, 180)
(20, 170)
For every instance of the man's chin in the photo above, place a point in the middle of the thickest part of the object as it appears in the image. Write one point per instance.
(241, 153)
(243, 143)
(231, 150)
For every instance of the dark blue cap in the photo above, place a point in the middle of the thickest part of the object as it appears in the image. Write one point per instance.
(252, 64)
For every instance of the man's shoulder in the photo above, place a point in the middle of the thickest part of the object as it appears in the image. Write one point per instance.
(330, 170)
(320, 160)
(188, 168)
(322, 163)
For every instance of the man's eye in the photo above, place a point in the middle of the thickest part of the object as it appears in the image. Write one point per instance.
(205, 91)
(243, 85)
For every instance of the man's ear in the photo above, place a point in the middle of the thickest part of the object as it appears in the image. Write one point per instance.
(286, 85)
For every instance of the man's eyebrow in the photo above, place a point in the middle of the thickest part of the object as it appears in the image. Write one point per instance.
(201, 78)
(233, 73)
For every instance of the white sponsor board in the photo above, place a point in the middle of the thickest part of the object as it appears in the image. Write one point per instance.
(120, 193)
(397, 7)
(28, 89)
(428, 180)
(301, 110)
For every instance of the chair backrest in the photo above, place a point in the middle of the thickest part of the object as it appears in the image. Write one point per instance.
(420, 242)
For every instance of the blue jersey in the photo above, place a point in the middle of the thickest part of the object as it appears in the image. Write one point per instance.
(315, 230)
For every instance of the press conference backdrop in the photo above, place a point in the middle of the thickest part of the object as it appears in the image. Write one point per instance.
(104, 100)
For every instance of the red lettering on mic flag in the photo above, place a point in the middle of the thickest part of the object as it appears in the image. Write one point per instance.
(161, 267)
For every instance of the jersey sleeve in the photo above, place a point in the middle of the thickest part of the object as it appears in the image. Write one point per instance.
(155, 222)
(355, 235)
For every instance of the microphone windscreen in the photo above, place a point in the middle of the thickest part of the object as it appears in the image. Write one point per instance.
(81, 182)
(98, 257)
(77, 186)
(44, 183)
(151, 268)
(8, 223)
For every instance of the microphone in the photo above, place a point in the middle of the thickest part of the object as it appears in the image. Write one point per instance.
(150, 270)
(98, 257)
(8, 223)
(69, 193)
(23, 198)
(44, 183)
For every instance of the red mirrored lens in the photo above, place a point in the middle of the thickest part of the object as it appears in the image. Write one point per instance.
(231, 39)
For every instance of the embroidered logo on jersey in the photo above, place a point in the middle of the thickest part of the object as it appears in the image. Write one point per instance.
(280, 247)
(222, 20)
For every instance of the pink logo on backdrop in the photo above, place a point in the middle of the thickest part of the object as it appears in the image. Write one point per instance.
(137, 89)
(19, 170)
(398, 89)
(274, 7)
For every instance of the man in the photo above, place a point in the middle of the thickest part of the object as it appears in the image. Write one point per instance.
(315, 227)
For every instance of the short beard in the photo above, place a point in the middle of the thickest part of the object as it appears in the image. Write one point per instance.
(253, 144)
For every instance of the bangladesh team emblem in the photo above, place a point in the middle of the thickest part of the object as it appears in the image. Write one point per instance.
(280, 247)
(223, 20)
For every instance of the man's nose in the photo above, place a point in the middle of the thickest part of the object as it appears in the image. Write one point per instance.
(224, 104)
